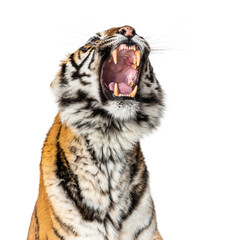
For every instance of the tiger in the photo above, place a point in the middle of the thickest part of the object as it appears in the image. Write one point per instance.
(94, 183)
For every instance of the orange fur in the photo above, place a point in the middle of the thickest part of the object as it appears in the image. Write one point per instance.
(41, 225)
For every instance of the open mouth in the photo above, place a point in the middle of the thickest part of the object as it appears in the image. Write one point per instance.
(119, 77)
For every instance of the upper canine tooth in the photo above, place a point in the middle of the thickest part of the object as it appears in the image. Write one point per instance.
(133, 93)
(116, 90)
(114, 56)
(138, 56)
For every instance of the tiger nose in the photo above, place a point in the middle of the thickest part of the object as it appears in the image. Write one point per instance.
(127, 31)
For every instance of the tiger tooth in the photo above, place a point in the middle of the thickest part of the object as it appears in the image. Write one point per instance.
(138, 56)
(133, 93)
(116, 90)
(114, 56)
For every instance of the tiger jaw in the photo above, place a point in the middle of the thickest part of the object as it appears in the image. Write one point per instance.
(120, 73)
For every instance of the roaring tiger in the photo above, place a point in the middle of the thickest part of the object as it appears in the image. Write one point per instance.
(94, 184)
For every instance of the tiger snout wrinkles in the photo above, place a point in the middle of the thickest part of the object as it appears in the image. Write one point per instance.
(94, 183)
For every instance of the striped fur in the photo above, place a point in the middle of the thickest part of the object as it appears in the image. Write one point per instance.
(93, 178)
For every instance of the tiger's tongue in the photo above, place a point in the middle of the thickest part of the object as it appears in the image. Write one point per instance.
(125, 81)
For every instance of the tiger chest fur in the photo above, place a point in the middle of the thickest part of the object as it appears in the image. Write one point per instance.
(93, 178)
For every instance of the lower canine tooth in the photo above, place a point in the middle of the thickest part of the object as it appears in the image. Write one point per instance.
(138, 57)
(116, 90)
(133, 93)
(114, 56)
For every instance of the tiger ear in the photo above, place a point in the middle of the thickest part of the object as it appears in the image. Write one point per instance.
(56, 80)
(61, 74)
(56, 84)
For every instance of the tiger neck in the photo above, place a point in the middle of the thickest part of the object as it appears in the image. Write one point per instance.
(108, 142)
(106, 137)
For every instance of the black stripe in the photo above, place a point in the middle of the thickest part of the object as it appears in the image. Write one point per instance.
(37, 223)
(84, 49)
(147, 84)
(91, 150)
(100, 112)
(77, 75)
(85, 59)
(84, 82)
(63, 78)
(62, 224)
(133, 171)
(80, 124)
(79, 55)
(137, 190)
(81, 96)
(116, 226)
(91, 62)
(57, 234)
(158, 85)
(71, 186)
(150, 77)
(145, 227)
(73, 63)
(151, 99)
(140, 117)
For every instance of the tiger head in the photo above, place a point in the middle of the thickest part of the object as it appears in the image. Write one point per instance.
(109, 80)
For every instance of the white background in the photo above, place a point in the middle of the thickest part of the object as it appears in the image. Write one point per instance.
(188, 157)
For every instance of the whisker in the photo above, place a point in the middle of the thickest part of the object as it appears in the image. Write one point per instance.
(92, 28)
(76, 33)
(160, 49)
(67, 44)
